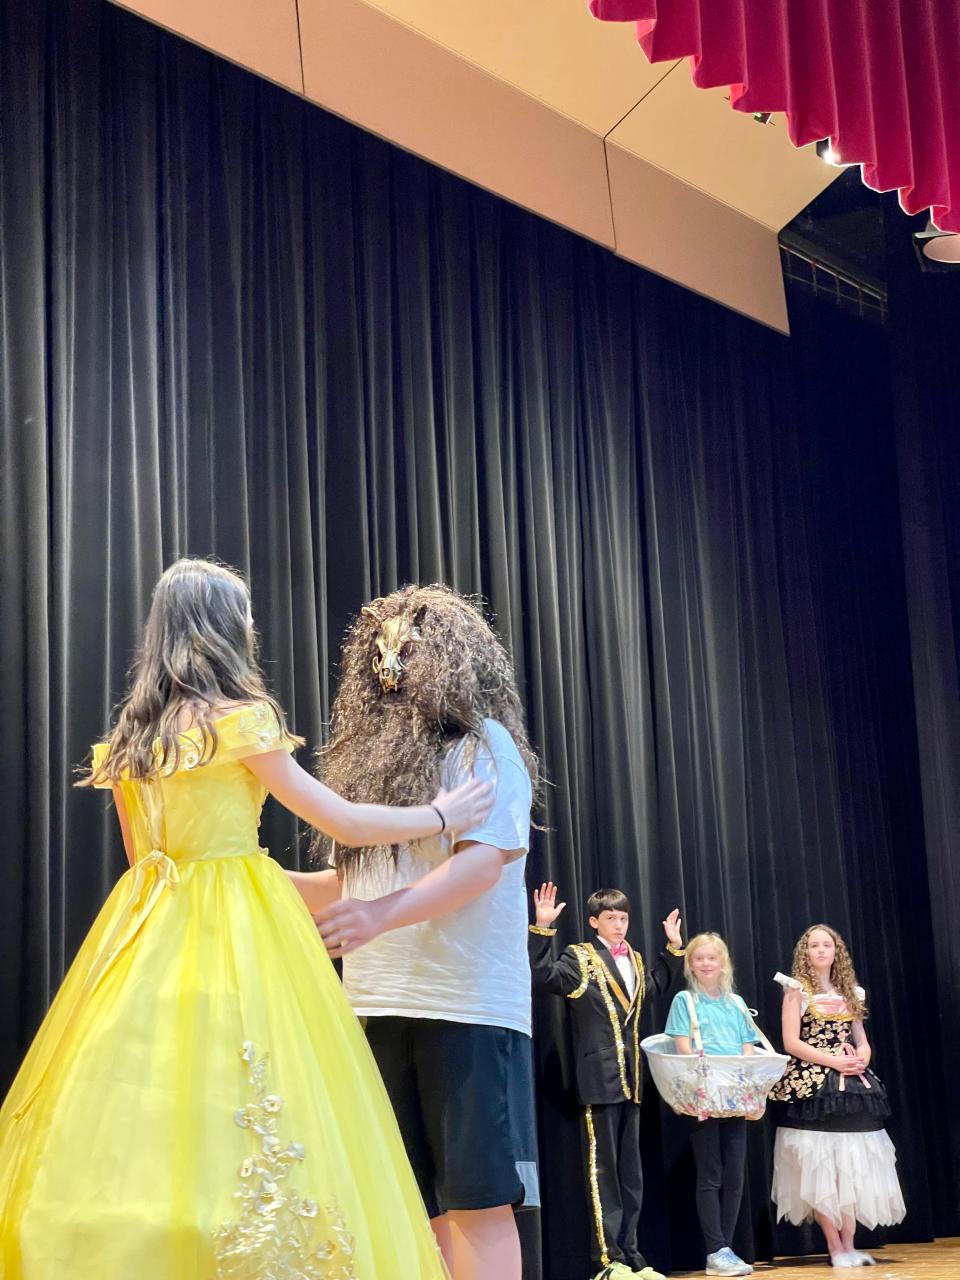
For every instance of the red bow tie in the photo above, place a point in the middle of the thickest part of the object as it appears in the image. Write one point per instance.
(619, 949)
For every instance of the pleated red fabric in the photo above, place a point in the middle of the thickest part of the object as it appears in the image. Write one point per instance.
(879, 78)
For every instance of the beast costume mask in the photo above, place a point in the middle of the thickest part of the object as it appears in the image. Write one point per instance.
(420, 669)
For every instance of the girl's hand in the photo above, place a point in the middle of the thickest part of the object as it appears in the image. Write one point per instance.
(545, 904)
(671, 927)
(465, 807)
(348, 924)
(849, 1063)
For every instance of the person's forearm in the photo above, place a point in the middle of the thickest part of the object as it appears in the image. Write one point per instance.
(383, 824)
(682, 1044)
(806, 1053)
(351, 824)
(450, 886)
(317, 888)
(861, 1043)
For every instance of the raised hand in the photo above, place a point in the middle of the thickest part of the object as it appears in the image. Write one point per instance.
(465, 806)
(671, 927)
(546, 905)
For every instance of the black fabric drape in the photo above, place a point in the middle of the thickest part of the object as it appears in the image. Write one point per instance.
(926, 320)
(231, 324)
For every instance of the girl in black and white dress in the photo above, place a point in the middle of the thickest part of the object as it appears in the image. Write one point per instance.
(833, 1158)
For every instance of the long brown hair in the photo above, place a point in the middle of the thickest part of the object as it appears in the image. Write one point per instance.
(387, 744)
(198, 656)
(842, 973)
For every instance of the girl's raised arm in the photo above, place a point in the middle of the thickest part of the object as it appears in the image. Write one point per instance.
(368, 824)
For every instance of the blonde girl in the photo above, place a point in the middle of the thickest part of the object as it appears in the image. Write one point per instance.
(719, 1144)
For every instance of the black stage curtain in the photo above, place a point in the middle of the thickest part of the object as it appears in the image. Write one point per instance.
(233, 325)
(926, 321)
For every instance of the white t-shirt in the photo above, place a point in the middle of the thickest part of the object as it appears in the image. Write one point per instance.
(471, 965)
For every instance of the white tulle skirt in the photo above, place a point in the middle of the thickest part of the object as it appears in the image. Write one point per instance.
(839, 1175)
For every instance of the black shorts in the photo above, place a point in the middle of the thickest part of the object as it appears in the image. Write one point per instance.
(463, 1097)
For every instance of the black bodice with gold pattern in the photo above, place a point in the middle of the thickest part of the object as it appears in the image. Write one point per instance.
(814, 1093)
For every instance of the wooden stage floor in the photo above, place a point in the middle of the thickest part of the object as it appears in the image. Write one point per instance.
(937, 1261)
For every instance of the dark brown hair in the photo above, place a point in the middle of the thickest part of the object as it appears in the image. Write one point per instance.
(198, 658)
(607, 900)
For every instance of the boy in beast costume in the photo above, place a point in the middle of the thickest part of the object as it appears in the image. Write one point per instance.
(433, 933)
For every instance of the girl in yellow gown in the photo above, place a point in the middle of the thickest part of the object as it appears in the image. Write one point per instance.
(200, 1102)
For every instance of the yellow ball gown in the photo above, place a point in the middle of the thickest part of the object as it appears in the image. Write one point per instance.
(200, 1102)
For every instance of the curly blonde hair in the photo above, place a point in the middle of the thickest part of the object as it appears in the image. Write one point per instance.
(842, 973)
(388, 745)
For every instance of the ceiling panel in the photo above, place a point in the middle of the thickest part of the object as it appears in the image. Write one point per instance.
(542, 105)
(386, 76)
(694, 134)
(681, 233)
(260, 34)
(553, 50)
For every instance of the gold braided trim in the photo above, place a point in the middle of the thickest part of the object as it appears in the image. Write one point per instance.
(597, 970)
(581, 953)
(636, 1044)
(641, 979)
(542, 931)
(676, 951)
(595, 1187)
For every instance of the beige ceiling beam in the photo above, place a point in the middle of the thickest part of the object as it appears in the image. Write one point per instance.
(262, 35)
(386, 76)
(548, 108)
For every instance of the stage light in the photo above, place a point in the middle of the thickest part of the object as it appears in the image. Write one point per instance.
(937, 250)
(827, 154)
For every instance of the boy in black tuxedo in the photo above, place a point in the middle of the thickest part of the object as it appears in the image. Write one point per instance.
(605, 983)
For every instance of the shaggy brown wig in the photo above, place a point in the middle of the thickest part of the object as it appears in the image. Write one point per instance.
(387, 745)
(842, 974)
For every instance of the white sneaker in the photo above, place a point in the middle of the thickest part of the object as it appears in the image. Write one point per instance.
(845, 1260)
(726, 1263)
(864, 1259)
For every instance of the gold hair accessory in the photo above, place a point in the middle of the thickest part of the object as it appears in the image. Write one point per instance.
(393, 634)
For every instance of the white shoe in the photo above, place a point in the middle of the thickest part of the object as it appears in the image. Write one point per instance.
(726, 1263)
(845, 1260)
(863, 1259)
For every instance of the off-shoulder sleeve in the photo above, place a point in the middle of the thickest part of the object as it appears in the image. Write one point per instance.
(250, 731)
(99, 755)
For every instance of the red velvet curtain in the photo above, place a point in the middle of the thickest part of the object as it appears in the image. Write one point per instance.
(879, 78)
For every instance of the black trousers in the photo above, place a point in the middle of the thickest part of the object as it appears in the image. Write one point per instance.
(614, 1178)
(720, 1152)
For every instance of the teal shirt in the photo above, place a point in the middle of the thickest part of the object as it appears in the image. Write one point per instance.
(724, 1028)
